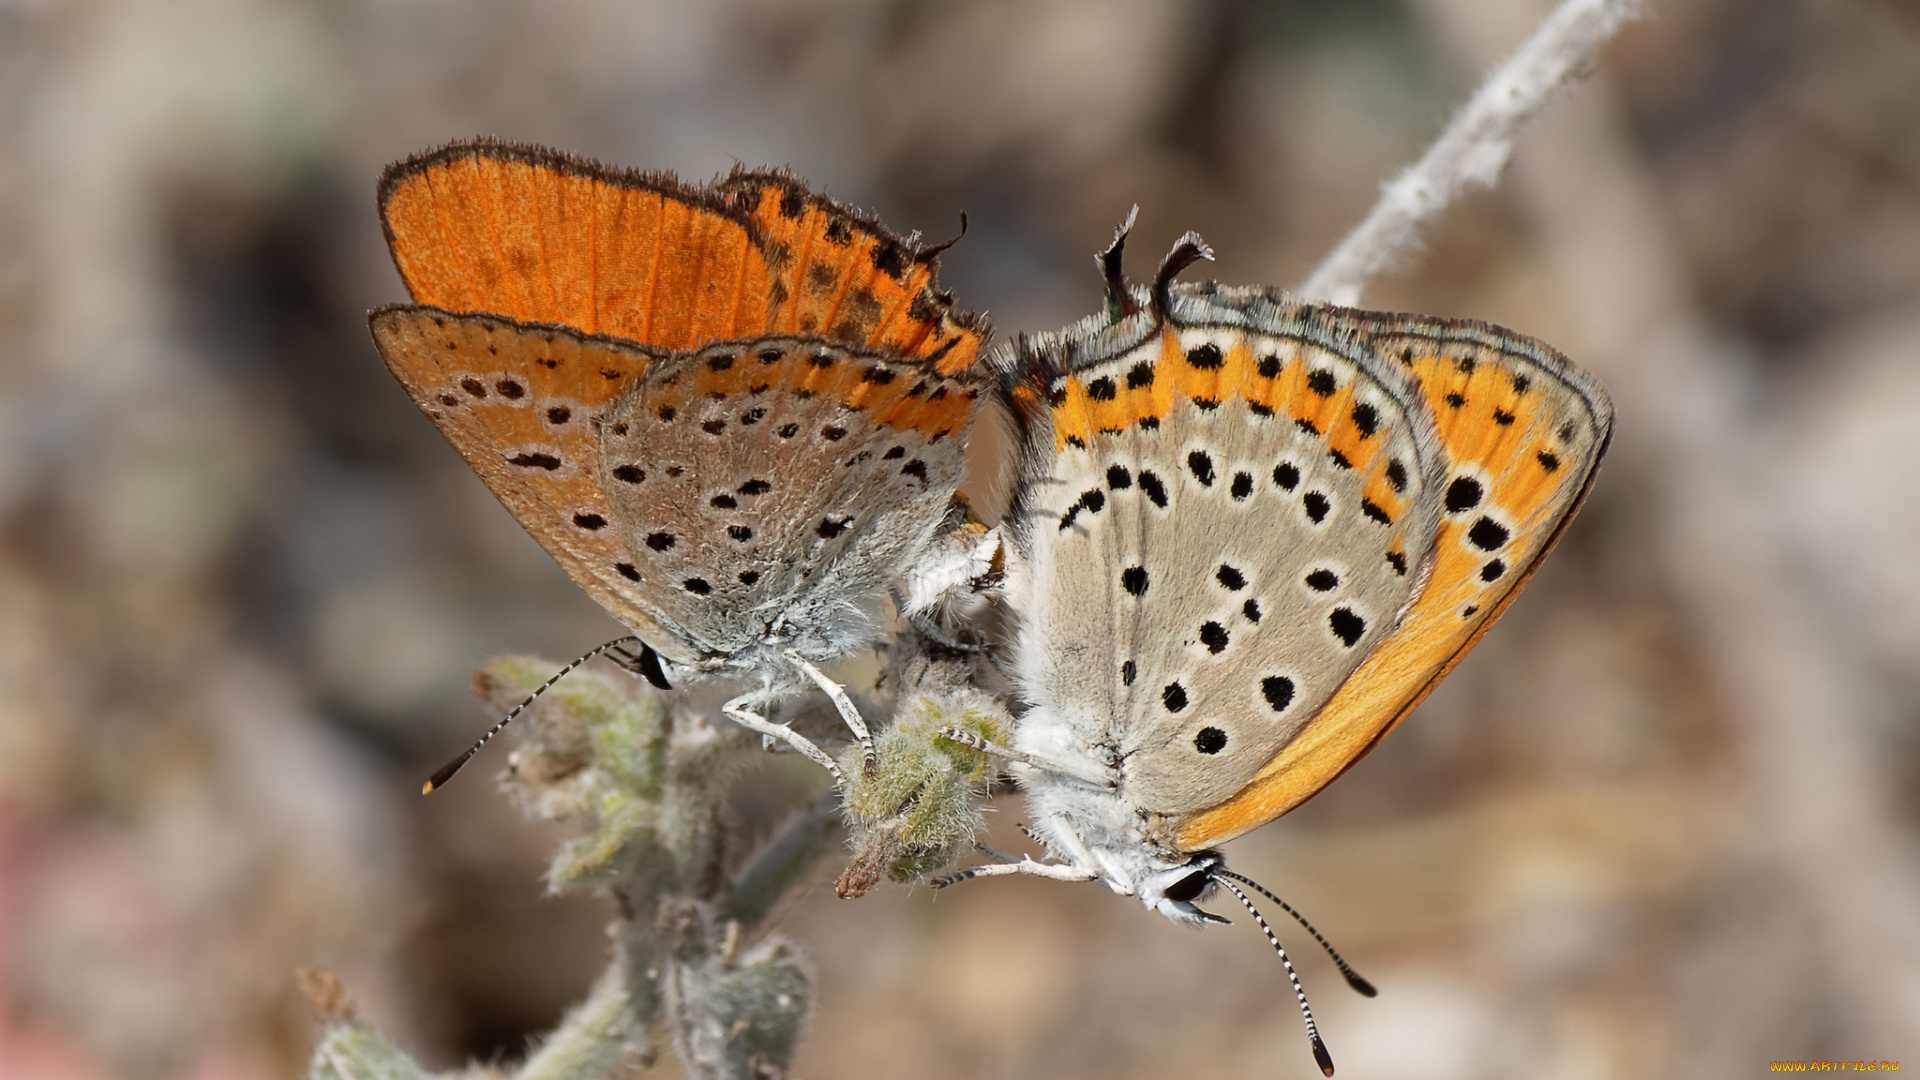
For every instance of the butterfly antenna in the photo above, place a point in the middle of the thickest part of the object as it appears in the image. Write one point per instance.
(439, 779)
(1120, 298)
(1360, 985)
(1187, 250)
(1320, 1055)
(928, 254)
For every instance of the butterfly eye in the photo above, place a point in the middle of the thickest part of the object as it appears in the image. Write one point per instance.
(1188, 888)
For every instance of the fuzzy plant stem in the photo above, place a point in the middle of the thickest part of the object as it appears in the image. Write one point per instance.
(785, 862)
(1474, 147)
(596, 1035)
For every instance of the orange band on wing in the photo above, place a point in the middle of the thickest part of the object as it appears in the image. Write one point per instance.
(899, 395)
(1116, 397)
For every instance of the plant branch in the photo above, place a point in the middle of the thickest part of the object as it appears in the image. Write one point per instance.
(1474, 147)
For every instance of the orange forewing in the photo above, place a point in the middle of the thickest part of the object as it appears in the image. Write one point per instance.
(538, 236)
(1512, 413)
(846, 277)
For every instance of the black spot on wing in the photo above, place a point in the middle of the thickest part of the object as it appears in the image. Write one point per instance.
(1214, 637)
(1316, 505)
(1488, 534)
(1156, 491)
(1278, 690)
(1174, 697)
(1347, 625)
(1200, 464)
(1397, 476)
(1463, 494)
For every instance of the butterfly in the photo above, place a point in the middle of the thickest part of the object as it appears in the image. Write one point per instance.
(734, 413)
(1250, 534)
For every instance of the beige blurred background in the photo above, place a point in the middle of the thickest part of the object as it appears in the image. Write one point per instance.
(1662, 823)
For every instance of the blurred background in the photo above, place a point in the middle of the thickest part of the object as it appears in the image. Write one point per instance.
(1663, 822)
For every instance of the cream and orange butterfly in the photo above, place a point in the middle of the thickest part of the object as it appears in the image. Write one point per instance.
(1251, 534)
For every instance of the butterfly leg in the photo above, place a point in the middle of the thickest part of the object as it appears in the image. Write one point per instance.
(988, 746)
(736, 711)
(1051, 871)
(857, 724)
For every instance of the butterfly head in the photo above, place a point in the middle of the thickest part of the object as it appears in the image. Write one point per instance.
(1176, 890)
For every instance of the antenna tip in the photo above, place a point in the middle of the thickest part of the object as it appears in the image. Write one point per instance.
(439, 779)
(1321, 1057)
(1361, 986)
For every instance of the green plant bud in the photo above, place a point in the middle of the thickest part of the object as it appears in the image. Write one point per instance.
(921, 807)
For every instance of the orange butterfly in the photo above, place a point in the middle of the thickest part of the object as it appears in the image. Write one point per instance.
(734, 413)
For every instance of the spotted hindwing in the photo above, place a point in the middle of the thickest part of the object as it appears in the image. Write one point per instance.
(1223, 516)
(1523, 432)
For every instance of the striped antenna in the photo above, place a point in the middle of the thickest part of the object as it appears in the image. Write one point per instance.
(1320, 1055)
(1360, 985)
(439, 779)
